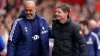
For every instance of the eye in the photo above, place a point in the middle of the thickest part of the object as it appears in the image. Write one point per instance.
(57, 12)
(30, 10)
(26, 10)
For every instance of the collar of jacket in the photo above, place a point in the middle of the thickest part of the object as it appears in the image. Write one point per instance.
(44, 39)
(96, 30)
(68, 21)
(41, 21)
(89, 33)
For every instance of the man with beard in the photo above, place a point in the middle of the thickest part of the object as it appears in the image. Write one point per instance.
(67, 35)
(29, 35)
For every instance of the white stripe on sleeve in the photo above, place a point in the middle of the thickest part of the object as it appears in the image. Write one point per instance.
(13, 28)
(97, 39)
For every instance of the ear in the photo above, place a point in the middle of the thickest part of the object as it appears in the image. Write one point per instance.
(36, 9)
(66, 13)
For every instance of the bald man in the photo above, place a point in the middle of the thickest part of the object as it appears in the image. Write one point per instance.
(92, 24)
(29, 35)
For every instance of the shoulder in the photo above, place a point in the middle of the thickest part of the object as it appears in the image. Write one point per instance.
(94, 35)
(18, 20)
(43, 21)
(76, 26)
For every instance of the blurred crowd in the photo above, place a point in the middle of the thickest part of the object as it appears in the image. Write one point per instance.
(79, 10)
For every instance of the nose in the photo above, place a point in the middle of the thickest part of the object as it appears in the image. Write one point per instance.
(56, 13)
(27, 12)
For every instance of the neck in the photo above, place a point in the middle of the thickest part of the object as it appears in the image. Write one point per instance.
(63, 21)
(86, 32)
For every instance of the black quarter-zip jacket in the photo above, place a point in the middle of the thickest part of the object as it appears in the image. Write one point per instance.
(67, 39)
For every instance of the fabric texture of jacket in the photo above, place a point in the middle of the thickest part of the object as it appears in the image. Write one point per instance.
(29, 37)
(67, 39)
(2, 44)
(92, 41)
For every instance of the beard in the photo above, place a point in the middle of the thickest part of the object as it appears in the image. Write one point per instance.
(30, 16)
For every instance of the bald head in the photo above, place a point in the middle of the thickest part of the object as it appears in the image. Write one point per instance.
(30, 9)
(92, 24)
(29, 3)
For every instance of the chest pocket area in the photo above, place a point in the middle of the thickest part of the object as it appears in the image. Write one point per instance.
(55, 34)
(66, 36)
(26, 34)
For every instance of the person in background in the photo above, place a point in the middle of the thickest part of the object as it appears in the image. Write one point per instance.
(94, 27)
(2, 44)
(91, 38)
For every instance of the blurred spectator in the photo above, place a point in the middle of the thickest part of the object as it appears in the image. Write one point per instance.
(97, 16)
(1, 44)
(1, 40)
(94, 27)
(92, 24)
(97, 4)
(91, 38)
(1, 19)
(10, 4)
(46, 9)
(79, 2)
(1, 28)
(98, 24)
(8, 22)
(75, 10)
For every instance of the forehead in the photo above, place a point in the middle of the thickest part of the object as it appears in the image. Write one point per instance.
(29, 5)
(81, 25)
(59, 9)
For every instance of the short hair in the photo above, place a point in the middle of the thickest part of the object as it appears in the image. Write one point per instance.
(29, 0)
(84, 22)
(64, 7)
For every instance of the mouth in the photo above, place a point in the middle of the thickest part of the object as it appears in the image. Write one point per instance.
(29, 16)
(57, 16)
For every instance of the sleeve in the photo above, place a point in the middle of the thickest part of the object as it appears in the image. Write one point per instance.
(81, 42)
(95, 47)
(44, 39)
(13, 38)
(96, 44)
(2, 45)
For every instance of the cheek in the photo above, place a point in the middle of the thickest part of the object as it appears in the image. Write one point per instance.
(82, 28)
(63, 15)
(32, 12)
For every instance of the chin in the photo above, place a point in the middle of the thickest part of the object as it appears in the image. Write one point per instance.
(30, 17)
(58, 18)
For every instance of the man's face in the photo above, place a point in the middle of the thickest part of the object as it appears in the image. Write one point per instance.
(29, 11)
(82, 27)
(60, 14)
